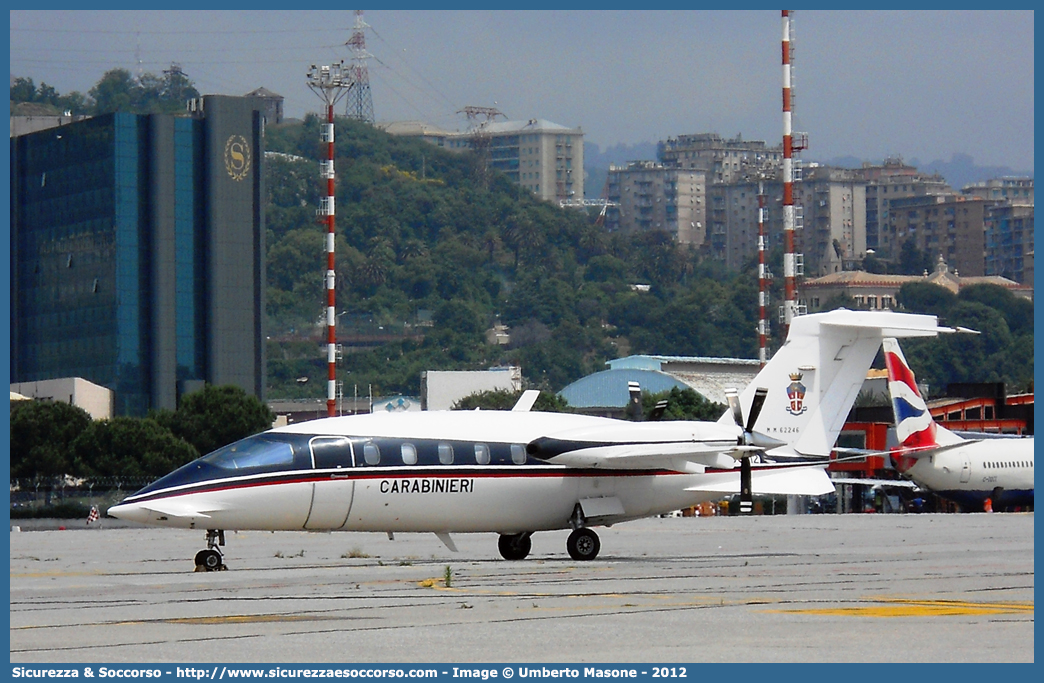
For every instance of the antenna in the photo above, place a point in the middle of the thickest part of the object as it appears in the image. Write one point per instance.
(360, 101)
(763, 325)
(330, 83)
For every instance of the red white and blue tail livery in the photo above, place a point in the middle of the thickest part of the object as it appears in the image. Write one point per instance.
(966, 471)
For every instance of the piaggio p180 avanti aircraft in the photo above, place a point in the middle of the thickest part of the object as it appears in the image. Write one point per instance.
(967, 471)
(517, 472)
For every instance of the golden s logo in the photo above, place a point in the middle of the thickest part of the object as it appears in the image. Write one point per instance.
(237, 157)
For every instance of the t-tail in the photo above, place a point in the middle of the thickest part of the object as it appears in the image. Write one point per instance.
(915, 428)
(812, 381)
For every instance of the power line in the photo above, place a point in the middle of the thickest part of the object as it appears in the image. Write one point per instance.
(114, 50)
(131, 32)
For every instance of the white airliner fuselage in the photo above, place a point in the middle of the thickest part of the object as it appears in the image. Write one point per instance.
(964, 470)
(977, 470)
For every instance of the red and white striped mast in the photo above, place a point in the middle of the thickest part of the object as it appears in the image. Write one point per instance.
(330, 83)
(762, 280)
(790, 260)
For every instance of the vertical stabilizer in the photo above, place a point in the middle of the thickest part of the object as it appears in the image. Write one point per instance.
(915, 428)
(814, 378)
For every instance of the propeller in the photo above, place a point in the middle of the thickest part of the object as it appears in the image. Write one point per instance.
(634, 402)
(746, 441)
(656, 414)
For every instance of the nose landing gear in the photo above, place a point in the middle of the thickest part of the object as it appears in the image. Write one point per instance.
(210, 560)
(515, 546)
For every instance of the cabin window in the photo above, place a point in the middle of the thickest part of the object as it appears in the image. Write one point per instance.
(409, 454)
(371, 453)
(518, 454)
(446, 453)
(481, 454)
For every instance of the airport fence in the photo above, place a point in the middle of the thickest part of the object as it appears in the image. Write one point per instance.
(69, 497)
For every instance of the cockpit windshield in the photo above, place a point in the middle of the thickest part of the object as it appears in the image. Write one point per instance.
(254, 452)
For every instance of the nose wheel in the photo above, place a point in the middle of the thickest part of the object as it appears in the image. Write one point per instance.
(211, 560)
(515, 546)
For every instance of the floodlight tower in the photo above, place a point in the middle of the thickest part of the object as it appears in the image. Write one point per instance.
(360, 102)
(330, 83)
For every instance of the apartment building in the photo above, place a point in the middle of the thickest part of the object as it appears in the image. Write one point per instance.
(833, 202)
(950, 226)
(1009, 241)
(732, 220)
(1014, 189)
(646, 195)
(543, 157)
(723, 160)
(889, 181)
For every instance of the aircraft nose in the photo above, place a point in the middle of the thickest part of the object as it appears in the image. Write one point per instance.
(129, 512)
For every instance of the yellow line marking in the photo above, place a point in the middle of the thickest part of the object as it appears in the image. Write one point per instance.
(47, 575)
(890, 608)
(251, 619)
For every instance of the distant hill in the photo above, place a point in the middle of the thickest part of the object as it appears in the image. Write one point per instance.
(597, 161)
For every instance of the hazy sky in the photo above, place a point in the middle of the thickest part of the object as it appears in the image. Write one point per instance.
(868, 84)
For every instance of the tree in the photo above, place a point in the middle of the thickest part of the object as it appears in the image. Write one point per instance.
(116, 91)
(872, 264)
(42, 436)
(925, 297)
(23, 90)
(1017, 311)
(129, 447)
(683, 404)
(216, 416)
(913, 261)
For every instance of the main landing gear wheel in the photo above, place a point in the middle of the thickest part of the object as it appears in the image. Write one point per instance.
(210, 560)
(515, 546)
(583, 544)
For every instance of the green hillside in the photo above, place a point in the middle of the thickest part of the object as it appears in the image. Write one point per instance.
(428, 260)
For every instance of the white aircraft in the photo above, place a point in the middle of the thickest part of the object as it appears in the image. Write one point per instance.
(517, 472)
(966, 471)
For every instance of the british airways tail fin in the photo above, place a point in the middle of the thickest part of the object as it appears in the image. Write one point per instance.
(812, 381)
(914, 426)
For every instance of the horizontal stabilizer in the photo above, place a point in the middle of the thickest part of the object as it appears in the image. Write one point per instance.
(791, 481)
(901, 483)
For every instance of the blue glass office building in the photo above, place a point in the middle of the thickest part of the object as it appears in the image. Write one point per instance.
(137, 253)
